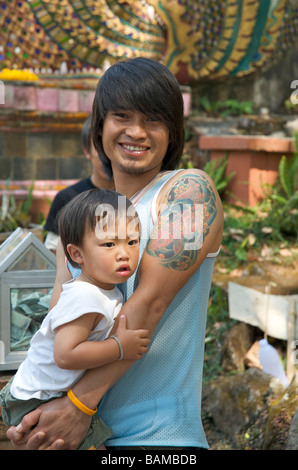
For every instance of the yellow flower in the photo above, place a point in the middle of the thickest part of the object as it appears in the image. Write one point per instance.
(7, 74)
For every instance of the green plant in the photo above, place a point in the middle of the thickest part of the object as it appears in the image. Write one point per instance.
(218, 323)
(186, 162)
(217, 170)
(13, 214)
(211, 107)
(235, 107)
(288, 171)
(230, 107)
(290, 107)
(273, 221)
(281, 201)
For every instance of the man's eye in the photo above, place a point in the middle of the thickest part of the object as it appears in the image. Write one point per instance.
(121, 115)
(153, 118)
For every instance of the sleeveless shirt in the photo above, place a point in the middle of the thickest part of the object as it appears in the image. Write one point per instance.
(157, 402)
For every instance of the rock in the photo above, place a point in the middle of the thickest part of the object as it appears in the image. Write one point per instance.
(293, 434)
(279, 421)
(233, 403)
(235, 346)
(251, 410)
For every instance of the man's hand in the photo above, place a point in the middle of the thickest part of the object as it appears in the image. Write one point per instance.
(44, 428)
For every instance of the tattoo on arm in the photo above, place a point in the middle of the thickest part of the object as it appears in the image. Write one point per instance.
(183, 222)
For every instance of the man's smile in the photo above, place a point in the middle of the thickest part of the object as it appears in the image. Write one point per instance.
(134, 148)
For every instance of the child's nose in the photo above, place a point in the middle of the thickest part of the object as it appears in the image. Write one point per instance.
(122, 253)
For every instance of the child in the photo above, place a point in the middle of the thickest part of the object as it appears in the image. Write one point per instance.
(100, 233)
(98, 179)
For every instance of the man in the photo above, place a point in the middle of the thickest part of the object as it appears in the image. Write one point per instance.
(138, 131)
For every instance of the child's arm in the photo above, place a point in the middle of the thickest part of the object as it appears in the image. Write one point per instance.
(73, 351)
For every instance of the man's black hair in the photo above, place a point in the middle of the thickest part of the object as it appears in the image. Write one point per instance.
(148, 87)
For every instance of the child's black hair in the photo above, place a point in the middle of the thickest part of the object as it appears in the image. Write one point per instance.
(84, 211)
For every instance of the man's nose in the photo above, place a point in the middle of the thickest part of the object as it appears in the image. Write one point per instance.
(137, 128)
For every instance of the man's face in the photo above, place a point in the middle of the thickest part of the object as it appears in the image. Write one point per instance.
(133, 142)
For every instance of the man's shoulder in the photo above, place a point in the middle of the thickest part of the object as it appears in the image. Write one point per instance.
(188, 209)
(188, 183)
(194, 174)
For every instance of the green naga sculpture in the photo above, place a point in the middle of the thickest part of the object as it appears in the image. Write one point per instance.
(196, 39)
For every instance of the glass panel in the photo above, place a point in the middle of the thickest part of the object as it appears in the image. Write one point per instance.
(11, 243)
(29, 306)
(31, 260)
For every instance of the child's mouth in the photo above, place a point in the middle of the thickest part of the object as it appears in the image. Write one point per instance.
(124, 270)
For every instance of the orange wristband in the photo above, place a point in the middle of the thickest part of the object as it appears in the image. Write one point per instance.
(79, 404)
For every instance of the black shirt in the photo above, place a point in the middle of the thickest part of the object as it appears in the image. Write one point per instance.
(62, 198)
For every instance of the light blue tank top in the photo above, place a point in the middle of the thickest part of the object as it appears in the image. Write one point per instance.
(158, 401)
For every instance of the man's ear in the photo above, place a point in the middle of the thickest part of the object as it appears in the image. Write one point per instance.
(75, 253)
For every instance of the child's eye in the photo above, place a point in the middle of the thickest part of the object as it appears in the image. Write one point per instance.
(133, 242)
(108, 244)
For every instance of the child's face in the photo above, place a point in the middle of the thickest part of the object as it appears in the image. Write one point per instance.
(107, 259)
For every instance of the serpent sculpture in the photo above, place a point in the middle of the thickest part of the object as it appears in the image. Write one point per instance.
(196, 39)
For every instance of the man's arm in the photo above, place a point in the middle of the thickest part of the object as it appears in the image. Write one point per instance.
(170, 259)
(168, 262)
(188, 227)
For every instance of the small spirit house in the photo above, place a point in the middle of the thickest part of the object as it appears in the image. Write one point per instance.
(27, 275)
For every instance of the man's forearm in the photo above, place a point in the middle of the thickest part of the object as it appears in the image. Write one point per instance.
(141, 312)
(96, 382)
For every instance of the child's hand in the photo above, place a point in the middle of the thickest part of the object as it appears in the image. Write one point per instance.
(134, 342)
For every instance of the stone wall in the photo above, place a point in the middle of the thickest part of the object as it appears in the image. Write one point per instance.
(41, 146)
(40, 135)
(269, 87)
